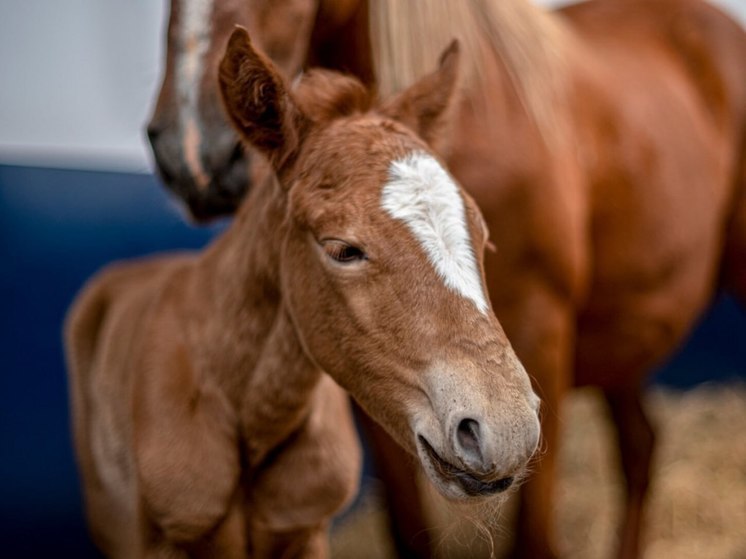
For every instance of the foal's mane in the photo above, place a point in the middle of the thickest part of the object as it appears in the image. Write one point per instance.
(408, 35)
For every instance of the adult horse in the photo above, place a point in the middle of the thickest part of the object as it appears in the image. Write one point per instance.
(604, 143)
(204, 422)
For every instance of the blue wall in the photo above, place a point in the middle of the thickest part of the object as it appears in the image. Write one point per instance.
(58, 227)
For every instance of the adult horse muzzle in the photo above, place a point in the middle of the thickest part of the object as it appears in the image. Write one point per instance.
(219, 184)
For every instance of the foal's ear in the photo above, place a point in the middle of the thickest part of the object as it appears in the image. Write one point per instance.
(258, 102)
(424, 106)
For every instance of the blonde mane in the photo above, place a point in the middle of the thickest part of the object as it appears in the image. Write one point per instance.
(408, 35)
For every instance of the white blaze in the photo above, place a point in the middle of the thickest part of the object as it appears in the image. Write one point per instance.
(194, 41)
(424, 196)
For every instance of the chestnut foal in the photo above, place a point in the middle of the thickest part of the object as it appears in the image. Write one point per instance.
(203, 421)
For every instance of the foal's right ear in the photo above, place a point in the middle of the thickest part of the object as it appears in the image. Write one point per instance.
(426, 105)
(258, 101)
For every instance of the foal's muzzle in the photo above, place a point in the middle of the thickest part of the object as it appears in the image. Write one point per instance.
(471, 484)
(475, 446)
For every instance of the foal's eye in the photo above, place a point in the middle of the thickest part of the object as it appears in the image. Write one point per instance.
(343, 252)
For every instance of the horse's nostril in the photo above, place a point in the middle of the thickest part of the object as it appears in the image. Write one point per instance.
(163, 170)
(468, 437)
(237, 154)
(153, 132)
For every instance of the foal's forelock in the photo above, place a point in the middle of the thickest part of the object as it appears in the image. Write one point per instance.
(422, 194)
(194, 37)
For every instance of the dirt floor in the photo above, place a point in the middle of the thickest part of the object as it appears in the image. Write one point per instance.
(697, 505)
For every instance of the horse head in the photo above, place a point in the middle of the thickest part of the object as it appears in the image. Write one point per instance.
(381, 266)
(197, 153)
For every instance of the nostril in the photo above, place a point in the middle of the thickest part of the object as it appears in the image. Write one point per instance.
(237, 154)
(468, 437)
(163, 169)
(153, 132)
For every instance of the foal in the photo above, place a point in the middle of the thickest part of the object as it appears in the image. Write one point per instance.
(203, 422)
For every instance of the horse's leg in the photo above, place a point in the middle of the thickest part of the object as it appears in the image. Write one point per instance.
(535, 533)
(734, 261)
(306, 543)
(397, 472)
(306, 481)
(164, 550)
(636, 442)
(541, 331)
(227, 539)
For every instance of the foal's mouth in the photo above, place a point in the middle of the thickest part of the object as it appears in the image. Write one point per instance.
(470, 484)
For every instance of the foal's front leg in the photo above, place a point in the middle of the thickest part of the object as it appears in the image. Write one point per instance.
(309, 479)
(309, 542)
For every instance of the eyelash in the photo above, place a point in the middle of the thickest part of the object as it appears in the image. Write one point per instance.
(342, 252)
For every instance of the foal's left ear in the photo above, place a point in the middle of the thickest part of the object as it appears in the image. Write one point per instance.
(425, 105)
(258, 102)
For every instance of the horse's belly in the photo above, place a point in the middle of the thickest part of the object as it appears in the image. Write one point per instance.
(655, 258)
(621, 351)
(632, 325)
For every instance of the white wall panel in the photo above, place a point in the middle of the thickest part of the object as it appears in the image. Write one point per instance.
(77, 79)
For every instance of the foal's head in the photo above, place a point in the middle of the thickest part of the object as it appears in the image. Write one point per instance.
(381, 266)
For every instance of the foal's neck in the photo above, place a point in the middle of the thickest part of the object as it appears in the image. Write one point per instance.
(255, 355)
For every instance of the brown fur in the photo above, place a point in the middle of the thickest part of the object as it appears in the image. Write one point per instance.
(610, 244)
(204, 425)
(605, 144)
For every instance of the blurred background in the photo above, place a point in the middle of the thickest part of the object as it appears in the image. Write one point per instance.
(77, 81)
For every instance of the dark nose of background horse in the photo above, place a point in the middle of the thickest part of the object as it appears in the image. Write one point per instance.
(223, 160)
(165, 153)
(153, 131)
